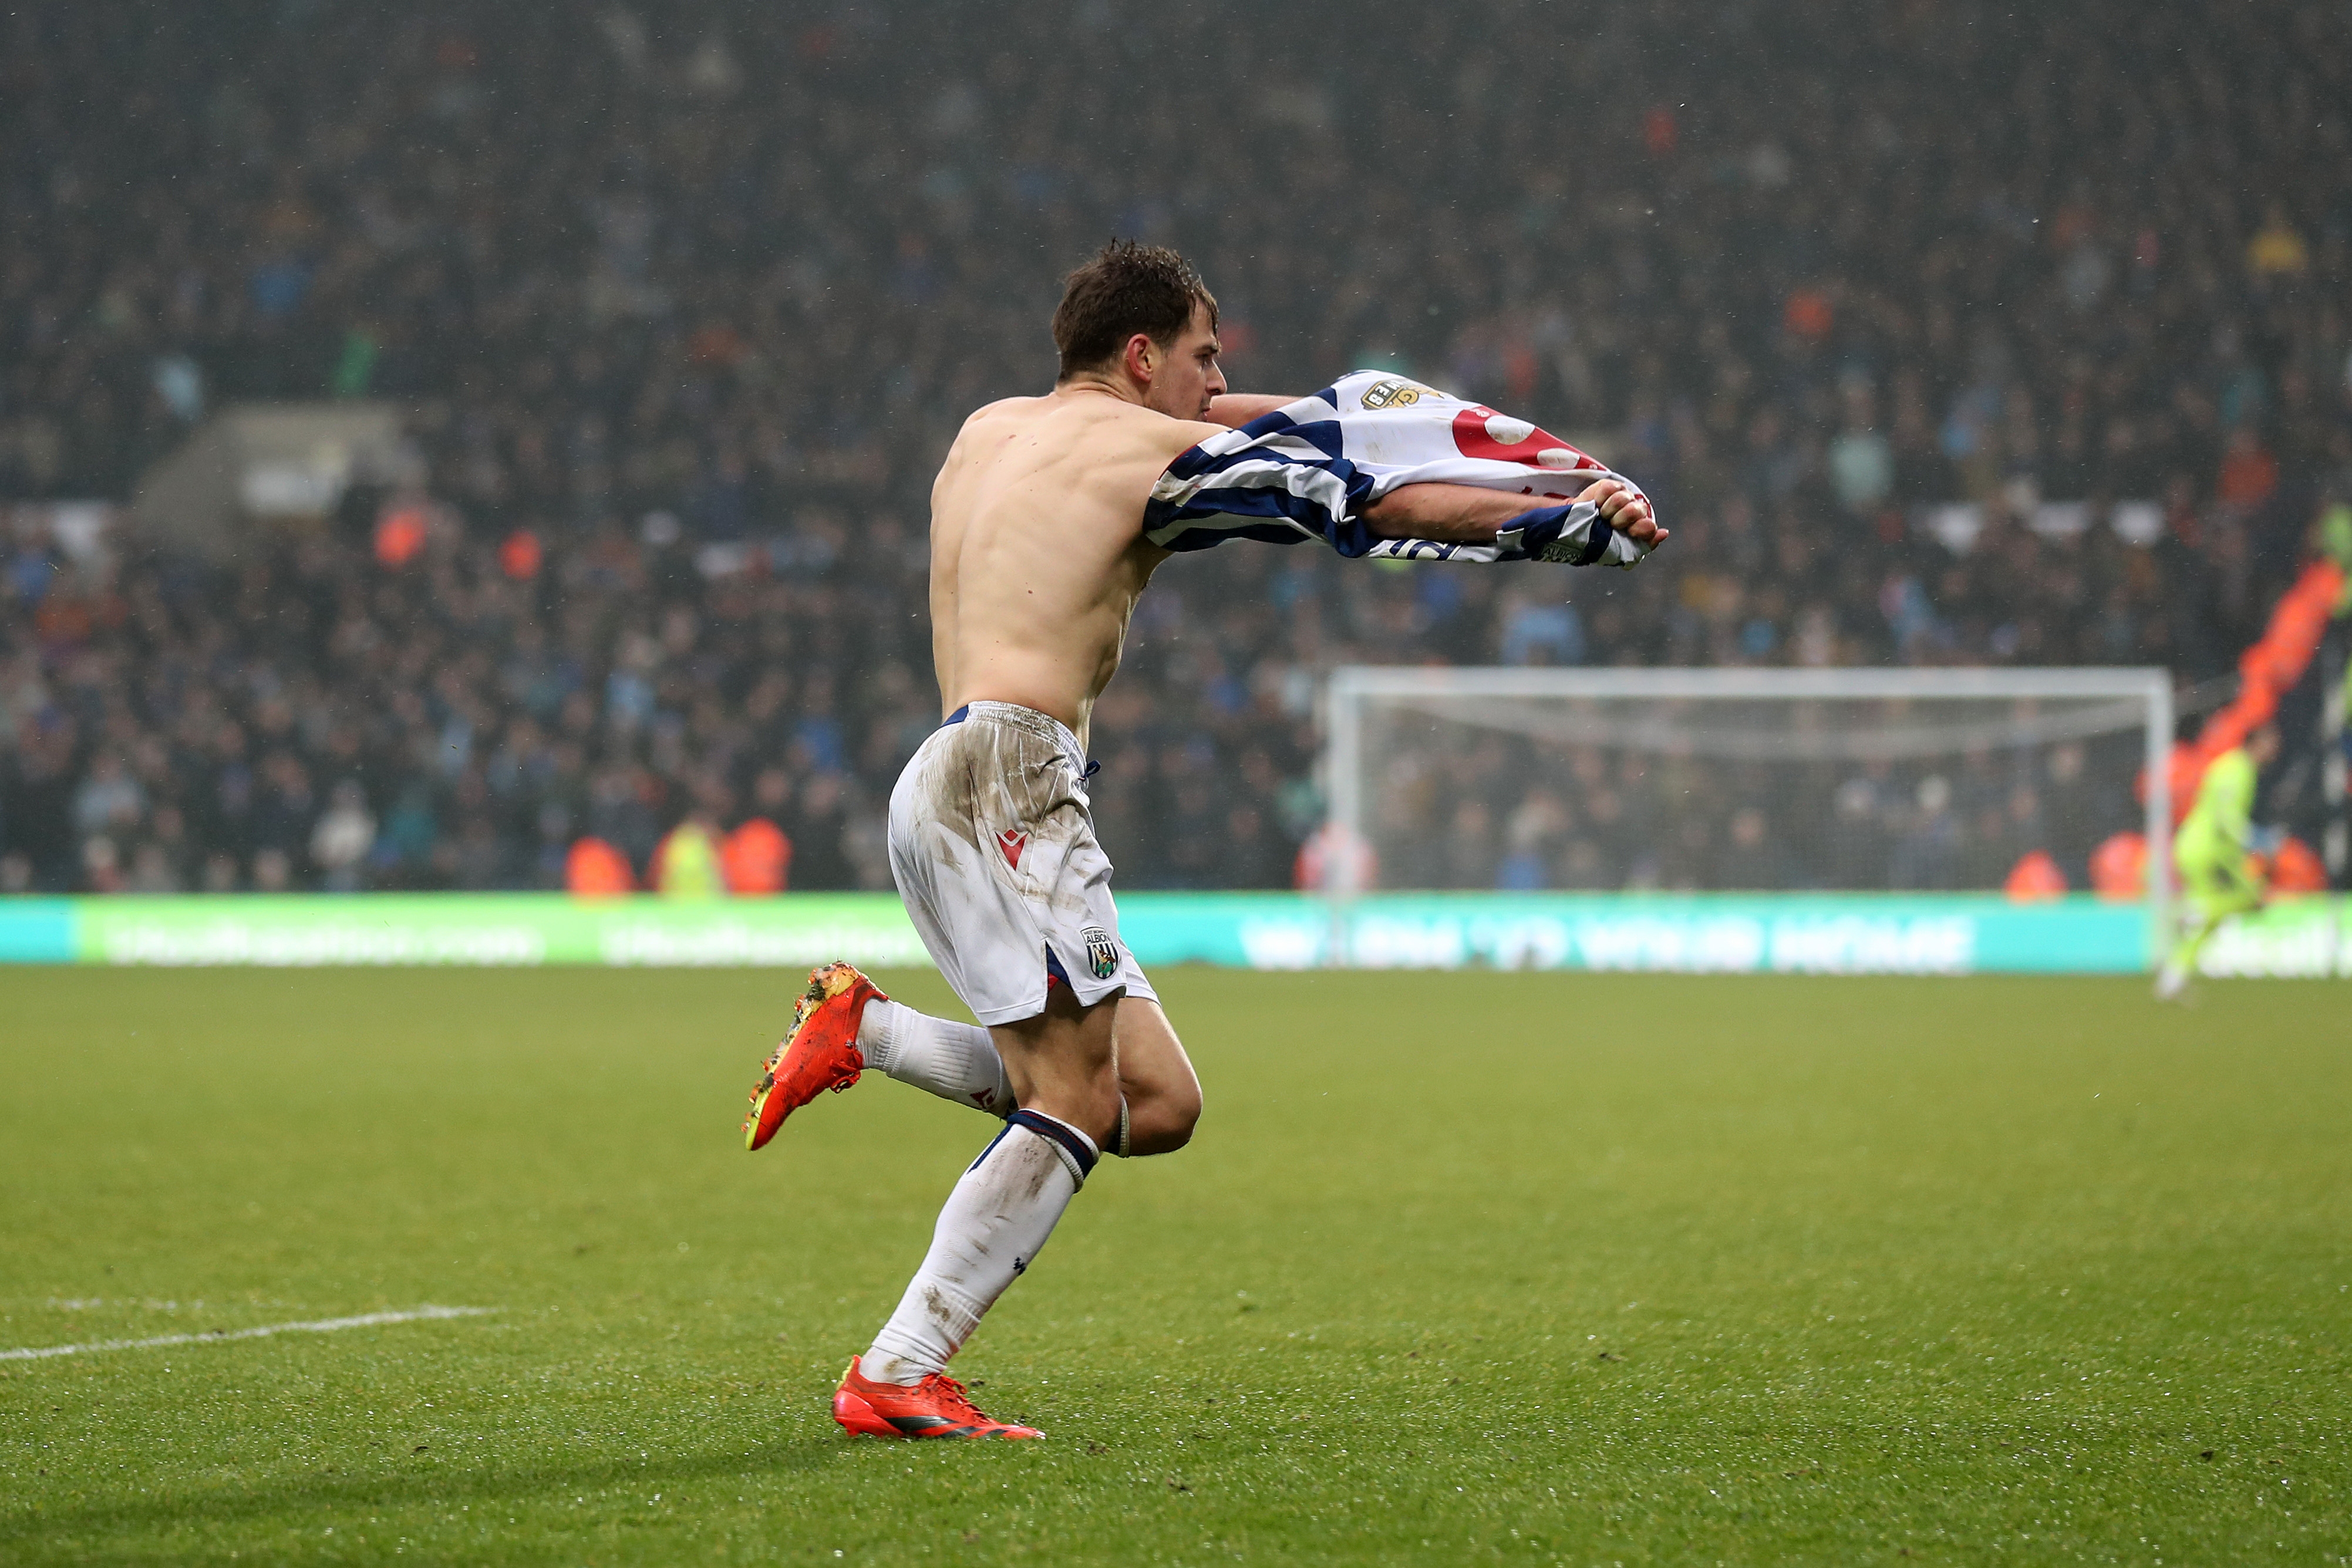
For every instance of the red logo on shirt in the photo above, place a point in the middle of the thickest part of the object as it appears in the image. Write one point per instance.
(1012, 841)
(1480, 432)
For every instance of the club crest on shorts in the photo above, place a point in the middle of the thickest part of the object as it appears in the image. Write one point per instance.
(1102, 953)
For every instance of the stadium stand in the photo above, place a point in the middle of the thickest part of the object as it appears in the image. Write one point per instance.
(1928, 353)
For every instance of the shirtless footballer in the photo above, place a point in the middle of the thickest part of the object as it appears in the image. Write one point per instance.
(1038, 556)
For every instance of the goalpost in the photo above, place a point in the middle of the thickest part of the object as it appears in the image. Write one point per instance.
(1745, 780)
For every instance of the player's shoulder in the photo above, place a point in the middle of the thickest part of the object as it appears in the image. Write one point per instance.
(1117, 430)
(1189, 446)
(1156, 443)
(1183, 434)
(1005, 410)
(989, 423)
(1102, 431)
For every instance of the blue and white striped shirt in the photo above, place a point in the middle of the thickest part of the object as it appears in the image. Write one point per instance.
(1308, 470)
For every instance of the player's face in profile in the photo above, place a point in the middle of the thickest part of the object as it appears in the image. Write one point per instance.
(1187, 377)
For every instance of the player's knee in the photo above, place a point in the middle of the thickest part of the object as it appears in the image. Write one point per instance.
(1164, 1123)
(1183, 1115)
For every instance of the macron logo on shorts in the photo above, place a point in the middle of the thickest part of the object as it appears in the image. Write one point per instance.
(1012, 841)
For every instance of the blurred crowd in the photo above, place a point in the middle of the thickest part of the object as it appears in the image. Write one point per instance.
(1940, 332)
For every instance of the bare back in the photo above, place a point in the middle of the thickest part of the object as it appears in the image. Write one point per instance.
(1037, 548)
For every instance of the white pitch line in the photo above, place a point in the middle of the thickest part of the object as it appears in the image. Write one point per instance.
(219, 1336)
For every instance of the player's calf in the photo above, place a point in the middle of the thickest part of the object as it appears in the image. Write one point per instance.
(956, 1061)
(994, 1226)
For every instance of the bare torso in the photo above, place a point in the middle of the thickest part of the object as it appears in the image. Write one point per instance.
(1037, 548)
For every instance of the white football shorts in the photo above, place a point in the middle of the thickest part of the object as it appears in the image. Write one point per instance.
(994, 849)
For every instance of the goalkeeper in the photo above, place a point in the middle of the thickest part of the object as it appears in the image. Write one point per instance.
(2215, 855)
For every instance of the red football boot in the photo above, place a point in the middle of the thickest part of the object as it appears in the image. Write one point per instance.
(935, 1407)
(819, 1052)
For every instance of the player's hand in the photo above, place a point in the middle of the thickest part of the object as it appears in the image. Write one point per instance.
(1627, 510)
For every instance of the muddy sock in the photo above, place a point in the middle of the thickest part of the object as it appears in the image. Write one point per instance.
(956, 1061)
(995, 1221)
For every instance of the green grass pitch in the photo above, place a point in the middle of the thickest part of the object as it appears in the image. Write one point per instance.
(1461, 1267)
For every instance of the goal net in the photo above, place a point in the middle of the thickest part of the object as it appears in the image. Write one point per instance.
(1749, 780)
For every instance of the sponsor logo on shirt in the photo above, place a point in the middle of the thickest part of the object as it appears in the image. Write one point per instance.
(1395, 391)
(1012, 841)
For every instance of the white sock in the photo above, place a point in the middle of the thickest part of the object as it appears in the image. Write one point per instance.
(994, 1223)
(956, 1061)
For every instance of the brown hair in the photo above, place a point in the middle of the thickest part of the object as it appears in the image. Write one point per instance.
(1126, 288)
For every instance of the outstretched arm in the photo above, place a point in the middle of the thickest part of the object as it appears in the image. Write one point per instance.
(1465, 513)
(1273, 479)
